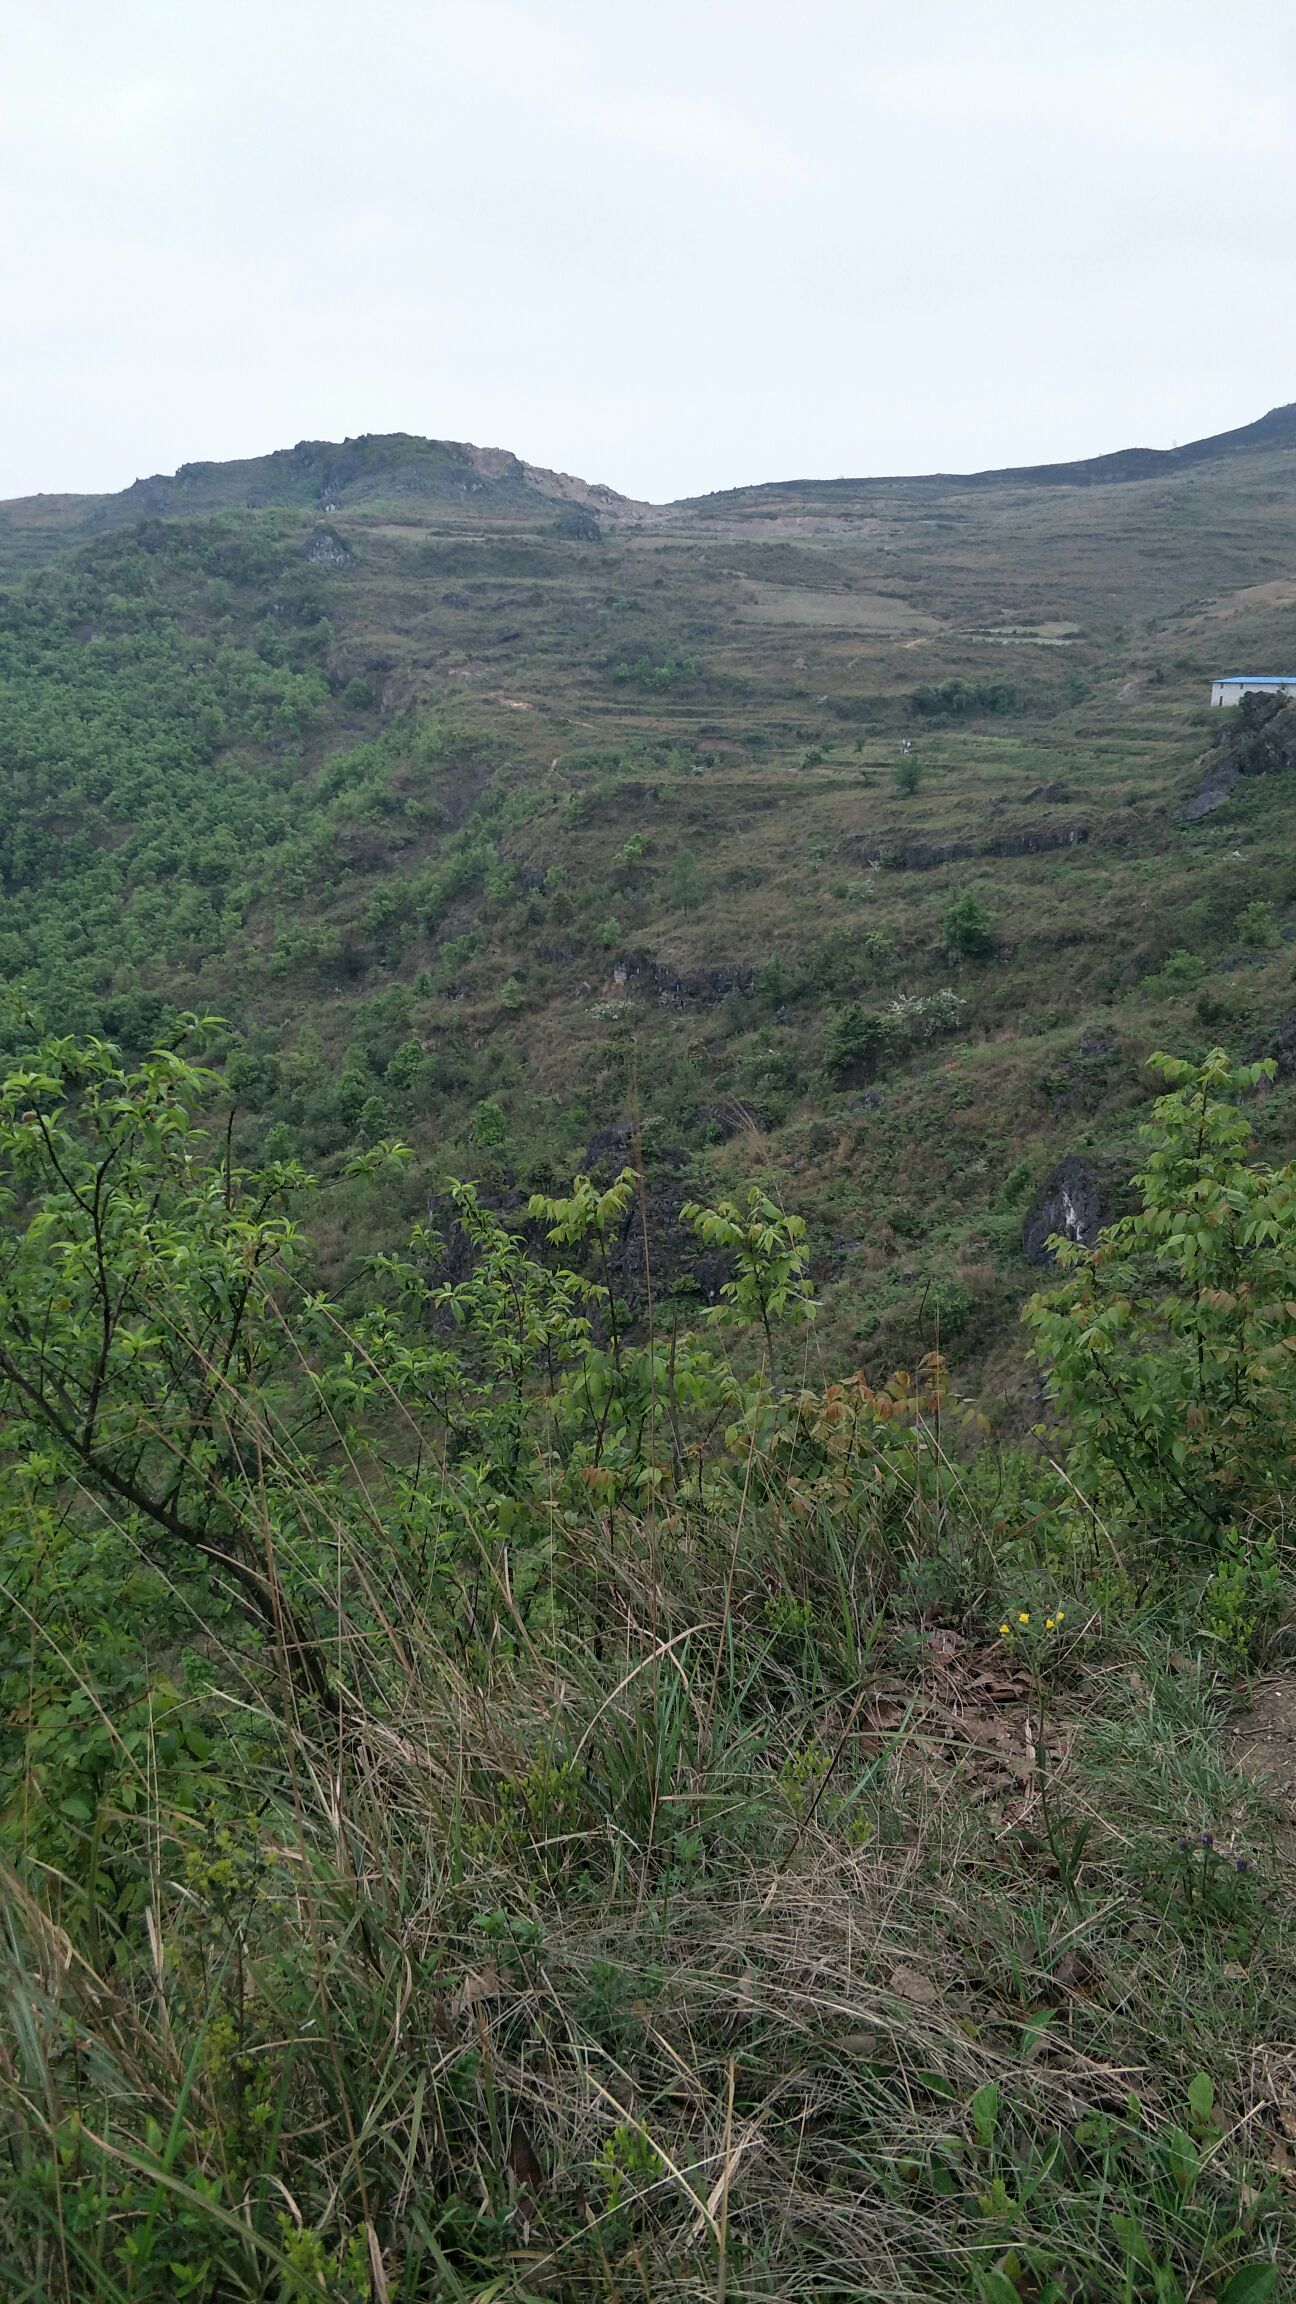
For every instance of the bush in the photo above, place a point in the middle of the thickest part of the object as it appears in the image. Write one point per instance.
(489, 1127)
(1256, 927)
(956, 699)
(1167, 1347)
(968, 927)
(853, 1044)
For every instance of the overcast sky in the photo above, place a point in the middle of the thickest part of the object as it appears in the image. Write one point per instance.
(668, 244)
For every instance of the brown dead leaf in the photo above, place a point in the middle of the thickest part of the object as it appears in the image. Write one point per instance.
(883, 1713)
(911, 1984)
(524, 2161)
(479, 1984)
(377, 2267)
(945, 1644)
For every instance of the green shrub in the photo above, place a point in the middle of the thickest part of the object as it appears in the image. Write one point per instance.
(853, 1043)
(1167, 1346)
(968, 927)
(489, 1127)
(1256, 927)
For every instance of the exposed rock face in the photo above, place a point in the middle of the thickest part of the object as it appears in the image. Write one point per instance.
(578, 524)
(327, 550)
(1265, 745)
(1280, 1043)
(707, 988)
(1071, 1203)
(1030, 840)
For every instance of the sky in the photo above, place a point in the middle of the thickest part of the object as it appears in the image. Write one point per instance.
(674, 245)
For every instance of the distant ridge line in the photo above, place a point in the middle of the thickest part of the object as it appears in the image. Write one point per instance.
(327, 476)
(1277, 429)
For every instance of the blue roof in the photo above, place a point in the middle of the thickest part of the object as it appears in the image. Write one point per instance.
(1286, 679)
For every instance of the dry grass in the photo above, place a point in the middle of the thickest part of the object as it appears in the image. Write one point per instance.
(661, 1954)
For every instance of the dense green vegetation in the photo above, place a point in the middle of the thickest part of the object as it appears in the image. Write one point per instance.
(498, 1805)
(584, 1712)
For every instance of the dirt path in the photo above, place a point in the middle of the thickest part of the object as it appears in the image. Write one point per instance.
(1262, 1742)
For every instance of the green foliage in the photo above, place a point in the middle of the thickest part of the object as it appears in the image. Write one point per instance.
(534, 1648)
(129, 1296)
(853, 1043)
(490, 1127)
(684, 881)
(968, 927)
(1256, 927)
(656, 678)
(1168, 1346)
(956, 699)
(771, 1283)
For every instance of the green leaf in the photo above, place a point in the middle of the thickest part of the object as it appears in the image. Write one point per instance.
(1201, 2097)
(1250, 2284)
(1133, 2240)
(985, 2112)
(997, 2288)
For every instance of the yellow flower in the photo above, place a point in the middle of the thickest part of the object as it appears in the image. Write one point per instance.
(1060, 1614)
(1004, 1631)
(1023, 1617)
(1049, 1624)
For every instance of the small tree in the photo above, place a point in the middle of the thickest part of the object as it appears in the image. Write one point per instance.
(489, 1127)
(968, 927)
(139, 1323)
(852, 1043)
(771, 1283)
(1168, 1346)
(685, 881)
(1256, 927)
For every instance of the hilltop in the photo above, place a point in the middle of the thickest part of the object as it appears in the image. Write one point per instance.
(388, 468)
(501, 812)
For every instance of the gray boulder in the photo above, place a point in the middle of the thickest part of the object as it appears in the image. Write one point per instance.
(1071, 1202)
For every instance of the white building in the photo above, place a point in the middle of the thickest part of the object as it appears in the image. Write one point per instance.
(1236, 685)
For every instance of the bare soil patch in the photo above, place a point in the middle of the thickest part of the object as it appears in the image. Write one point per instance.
(1262, 1743)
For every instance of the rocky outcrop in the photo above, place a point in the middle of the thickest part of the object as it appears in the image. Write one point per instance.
(1264, 745)
(1027, 840)
(1279, 1043)
(1071, 1203)
(327, 550)
(706, 988)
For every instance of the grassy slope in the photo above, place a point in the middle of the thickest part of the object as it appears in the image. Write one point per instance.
(794, 624)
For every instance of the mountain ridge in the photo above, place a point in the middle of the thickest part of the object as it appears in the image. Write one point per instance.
(365, 467)
(1275, 429)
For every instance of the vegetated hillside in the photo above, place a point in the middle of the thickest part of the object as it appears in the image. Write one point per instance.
(500, 1798)
(827, 833)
